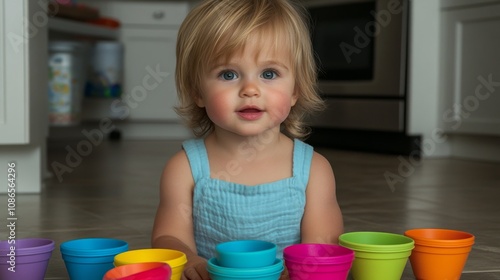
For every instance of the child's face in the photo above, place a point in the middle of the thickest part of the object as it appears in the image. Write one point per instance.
(250, 93)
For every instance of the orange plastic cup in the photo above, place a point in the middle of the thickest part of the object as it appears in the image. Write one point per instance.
(439, 253)
(136, 271)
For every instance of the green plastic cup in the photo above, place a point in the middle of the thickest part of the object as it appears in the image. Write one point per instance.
(378, 255)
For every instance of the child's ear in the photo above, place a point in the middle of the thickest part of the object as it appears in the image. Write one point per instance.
(198, 99)
(295, 97)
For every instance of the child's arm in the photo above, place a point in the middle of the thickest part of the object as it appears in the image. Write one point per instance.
(322, 221)
(173, 226)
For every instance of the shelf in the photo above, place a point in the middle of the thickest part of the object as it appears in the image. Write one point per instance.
(79, 28)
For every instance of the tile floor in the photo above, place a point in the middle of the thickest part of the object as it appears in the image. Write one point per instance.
(113, 192)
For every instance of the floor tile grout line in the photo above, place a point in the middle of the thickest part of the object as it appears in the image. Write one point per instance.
(481, 271)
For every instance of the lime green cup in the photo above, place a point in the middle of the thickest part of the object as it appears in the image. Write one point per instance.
(378, 255)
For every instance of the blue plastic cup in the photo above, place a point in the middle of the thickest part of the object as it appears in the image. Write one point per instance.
(91, 258)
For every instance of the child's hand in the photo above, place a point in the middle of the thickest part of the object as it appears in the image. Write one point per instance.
(284, 275)
(195, 269)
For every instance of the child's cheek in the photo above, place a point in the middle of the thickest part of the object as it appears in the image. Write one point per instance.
(216, 111)
(281, 113)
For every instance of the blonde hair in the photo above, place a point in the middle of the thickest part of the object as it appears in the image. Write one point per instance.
(217, 29)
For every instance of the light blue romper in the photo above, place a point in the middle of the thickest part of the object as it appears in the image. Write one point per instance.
(225, 211)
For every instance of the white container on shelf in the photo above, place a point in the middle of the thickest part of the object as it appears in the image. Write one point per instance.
(106, 70)
(67, 77)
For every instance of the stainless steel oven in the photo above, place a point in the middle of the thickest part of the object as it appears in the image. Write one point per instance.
(361, 51)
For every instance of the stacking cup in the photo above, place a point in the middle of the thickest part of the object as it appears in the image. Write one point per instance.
(270, 272)
(25, 259)
(140, 271)
(90, 258)
(175, 259)
(318, 261)
(246, 253)
(378, 255)
(439, 253)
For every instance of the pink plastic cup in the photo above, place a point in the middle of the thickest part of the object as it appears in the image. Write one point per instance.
(318, 261)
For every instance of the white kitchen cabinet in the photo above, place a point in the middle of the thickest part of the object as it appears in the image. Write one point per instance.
(445, 4)
(149, 73)
(23, 84)
(470, 67)
(14, 123)
(148, 32)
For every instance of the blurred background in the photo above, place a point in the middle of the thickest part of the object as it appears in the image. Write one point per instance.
(412, 127)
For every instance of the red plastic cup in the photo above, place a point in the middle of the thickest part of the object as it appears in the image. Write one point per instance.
(140, 271)
(318, 261)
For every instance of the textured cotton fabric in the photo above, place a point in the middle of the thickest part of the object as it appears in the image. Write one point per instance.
(225, 211)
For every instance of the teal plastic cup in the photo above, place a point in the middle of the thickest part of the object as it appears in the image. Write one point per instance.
(378, 255)
(246, 253)
(90, 258)
(270, 272)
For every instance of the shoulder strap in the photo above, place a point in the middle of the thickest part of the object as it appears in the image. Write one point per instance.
(302, 157)
(198, 158)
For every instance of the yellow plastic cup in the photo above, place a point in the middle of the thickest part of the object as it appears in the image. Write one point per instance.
(175, 259)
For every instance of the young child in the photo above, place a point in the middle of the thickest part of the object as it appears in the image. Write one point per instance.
(245, 78)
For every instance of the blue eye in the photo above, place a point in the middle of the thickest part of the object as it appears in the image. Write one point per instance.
(269, 74)
(228, 75)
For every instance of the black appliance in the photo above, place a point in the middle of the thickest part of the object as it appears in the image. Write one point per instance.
(361, 51)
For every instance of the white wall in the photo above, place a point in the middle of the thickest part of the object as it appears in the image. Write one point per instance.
(423, 77)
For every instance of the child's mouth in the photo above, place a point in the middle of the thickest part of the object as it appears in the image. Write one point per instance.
(250, 113)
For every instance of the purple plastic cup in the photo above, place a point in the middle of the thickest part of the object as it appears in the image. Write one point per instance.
(318, 261)
(27, 258)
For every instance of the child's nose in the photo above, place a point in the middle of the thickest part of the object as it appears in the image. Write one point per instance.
(249, 89)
